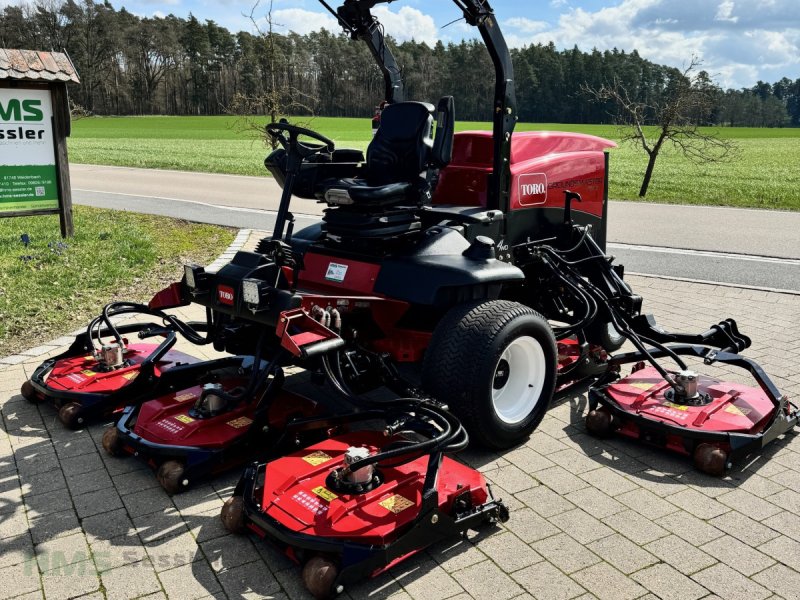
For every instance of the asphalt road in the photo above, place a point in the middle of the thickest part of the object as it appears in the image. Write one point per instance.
(753, 248)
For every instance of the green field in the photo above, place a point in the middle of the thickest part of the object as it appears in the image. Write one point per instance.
(764, 174)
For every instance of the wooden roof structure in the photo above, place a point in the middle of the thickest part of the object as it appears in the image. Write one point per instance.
(33, 65)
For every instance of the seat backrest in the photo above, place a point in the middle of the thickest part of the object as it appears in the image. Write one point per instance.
(401, 148)
(445, 130)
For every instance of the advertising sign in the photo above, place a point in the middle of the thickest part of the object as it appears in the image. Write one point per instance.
(28, 177)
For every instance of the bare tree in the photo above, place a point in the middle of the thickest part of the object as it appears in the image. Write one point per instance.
(686, 104)
(279, 97)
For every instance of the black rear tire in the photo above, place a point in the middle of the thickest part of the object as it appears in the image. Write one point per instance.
(465, 367)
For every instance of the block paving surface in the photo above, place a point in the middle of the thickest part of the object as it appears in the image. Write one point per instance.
(608, 519)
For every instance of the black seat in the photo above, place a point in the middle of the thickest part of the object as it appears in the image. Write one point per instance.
(398, 175)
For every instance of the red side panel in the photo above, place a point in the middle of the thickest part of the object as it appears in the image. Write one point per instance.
(81, 373)
(296, 495)
(543, 165)
(333, 274)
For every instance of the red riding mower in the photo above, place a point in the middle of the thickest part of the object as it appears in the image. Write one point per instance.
(465, 271)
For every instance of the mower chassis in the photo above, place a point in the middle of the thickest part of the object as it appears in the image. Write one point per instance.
(360, 561)
(95, 405)
(785, 417)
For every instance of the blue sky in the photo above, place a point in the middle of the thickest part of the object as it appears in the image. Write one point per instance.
(739, 41)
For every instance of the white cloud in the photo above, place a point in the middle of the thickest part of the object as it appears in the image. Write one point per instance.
(739, 41)
(525, 25)
(725, 12)
(302, 21)
(407, 24)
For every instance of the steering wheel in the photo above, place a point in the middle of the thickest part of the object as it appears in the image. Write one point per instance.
(287, 136)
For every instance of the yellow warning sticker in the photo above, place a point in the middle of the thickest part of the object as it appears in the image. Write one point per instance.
(88, 358)
(240, 422)
(737, 410)
(89, 373)
(325, 493)
(317, 458)
(185, 396)
(642, 385)
(131, 375)
(676, 406)
(184, 418)
(396, 503)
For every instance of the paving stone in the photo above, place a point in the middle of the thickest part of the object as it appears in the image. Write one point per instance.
(146, 502)
(760, 486)
(657, 482)
(70, 582)
(528, 459)
(635, 527)
(581, 525)
(560, 480)
(530, 527)
(20, 579)
(508, 552)
(750, 504)
(595, 502)
(189, 582)
(485, 580)
(738, 555)
(421, 577)
(697, 504)
(622, 554)
(608, 481)
(459, 553)
(544, 582)
(786, 523)
(669, 584)
(680, 554)
(251, 580)
(784, 550)
(511, 479)
(573, 461)
(565, 553)
(108, 525)
(545, 501)
(730, 584)
(606, 583)
(646, 503)
(135, 481)
(97, 502)
(169, 552)
(53, 525)
(229, 552)
(780, 579)
(130, 581)
(744, 528)
(689, 528)
(198, 500)
(116, 552)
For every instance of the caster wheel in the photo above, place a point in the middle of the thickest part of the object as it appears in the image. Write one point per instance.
(232, 514)
(711, 460)
(318, 576)
(599, 423)
(29, 393)
(171, 477)
(70, 415)
(111, 442)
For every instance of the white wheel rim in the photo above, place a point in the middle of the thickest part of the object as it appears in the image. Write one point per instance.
(518, 380)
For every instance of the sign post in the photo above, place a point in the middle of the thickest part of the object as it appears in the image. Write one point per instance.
(34, 125)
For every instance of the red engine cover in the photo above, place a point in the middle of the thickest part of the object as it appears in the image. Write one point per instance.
(166, 420)
(733, 408)
(296, 496)
(81, 373)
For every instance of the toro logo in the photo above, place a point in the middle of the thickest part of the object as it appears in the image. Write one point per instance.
(532, 189)
(225, 295)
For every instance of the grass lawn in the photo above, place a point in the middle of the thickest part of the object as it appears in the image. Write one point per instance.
(764, 174)
(50, 287)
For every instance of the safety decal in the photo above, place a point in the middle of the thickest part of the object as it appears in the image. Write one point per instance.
(737, 410)
(396, 503)
(184, 418)
(240, 422)
(89, 373)
(336, 272)
(642, 385)
(185, 396)
(325, 493)
(317, 458)
(131, 375)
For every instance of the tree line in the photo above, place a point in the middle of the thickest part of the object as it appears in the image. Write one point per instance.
(131, 65)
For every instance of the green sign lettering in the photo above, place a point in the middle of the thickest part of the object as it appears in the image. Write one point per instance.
(29, 110)
(33, 110)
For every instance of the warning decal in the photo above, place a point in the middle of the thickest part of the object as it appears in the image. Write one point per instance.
(317, 458)
(240, 422)
(184, 418)
(325, 493)
(396, 503)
